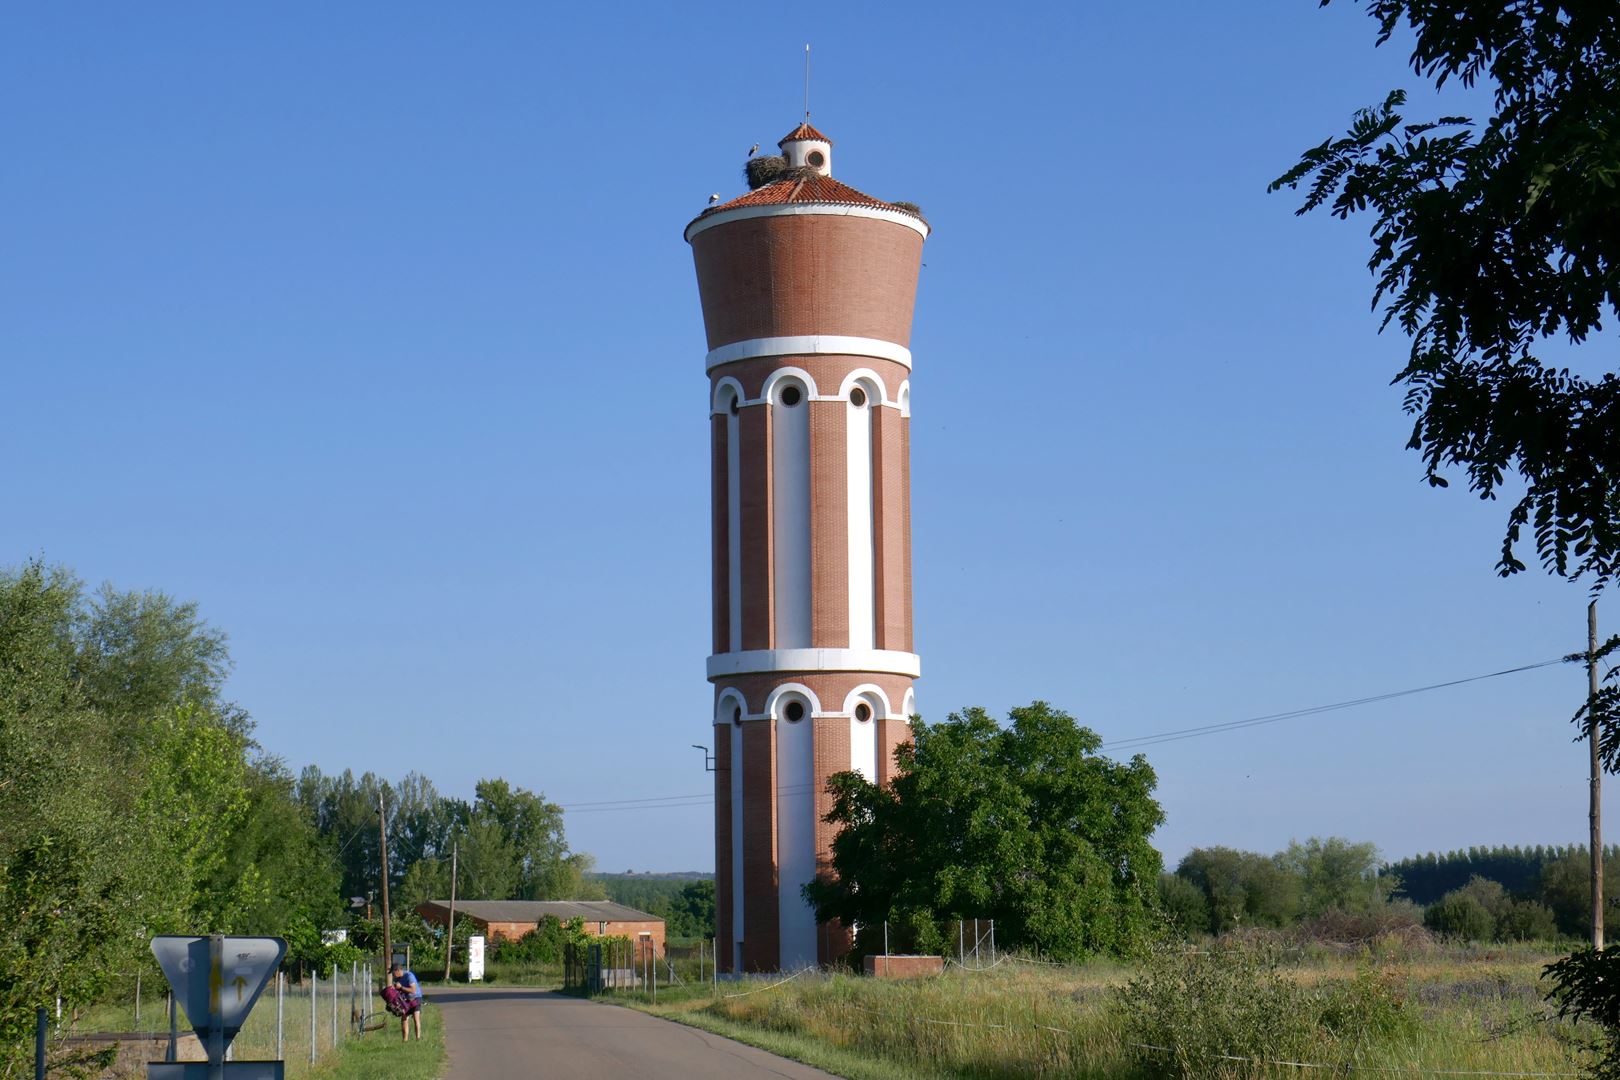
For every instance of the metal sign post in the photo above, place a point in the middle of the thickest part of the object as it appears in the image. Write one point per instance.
(218, 979)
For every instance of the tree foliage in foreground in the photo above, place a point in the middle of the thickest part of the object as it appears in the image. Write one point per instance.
(132, 801)
(1490, 239)
(1026, 824)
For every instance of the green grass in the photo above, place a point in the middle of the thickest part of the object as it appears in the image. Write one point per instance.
(380, 1055)
(1459, 1010)
(376, 1053)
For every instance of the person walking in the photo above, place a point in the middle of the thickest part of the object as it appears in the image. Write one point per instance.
(409, 985)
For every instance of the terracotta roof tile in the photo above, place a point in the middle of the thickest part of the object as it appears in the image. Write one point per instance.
(804, 131)
(814, 188)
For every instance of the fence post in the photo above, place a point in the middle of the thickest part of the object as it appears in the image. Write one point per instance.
(174, 1029)
(717, 964)
(281, 984)
(41, 1021)
(992, 941)
(137, 1001)
(314, 1030)
(652, 961)
(334, 995)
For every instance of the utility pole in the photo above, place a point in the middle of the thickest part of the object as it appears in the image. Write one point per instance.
(1596, 811)
(388, 929)
(450, 934)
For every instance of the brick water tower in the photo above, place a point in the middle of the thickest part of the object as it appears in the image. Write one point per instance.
(807, 288)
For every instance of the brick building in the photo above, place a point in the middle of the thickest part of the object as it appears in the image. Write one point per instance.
(807, 287)
(511, 919)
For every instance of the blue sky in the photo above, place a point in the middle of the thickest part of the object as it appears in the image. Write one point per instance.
(370, 328)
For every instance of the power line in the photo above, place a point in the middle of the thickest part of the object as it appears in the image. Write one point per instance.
(675, 802)
(1314, 710)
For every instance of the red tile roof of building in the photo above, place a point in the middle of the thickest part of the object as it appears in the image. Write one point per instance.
(804, 131)
(813, 188)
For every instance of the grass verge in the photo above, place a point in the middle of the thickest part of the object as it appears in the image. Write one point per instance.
(1466, 1012)
(382, 1056)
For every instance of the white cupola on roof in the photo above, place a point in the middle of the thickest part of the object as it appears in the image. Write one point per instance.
(806, 148)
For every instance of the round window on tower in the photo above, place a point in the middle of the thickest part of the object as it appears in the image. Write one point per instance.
(816, 159)
(791, 396)
(794, 712)
(863, 712)
(857, 398)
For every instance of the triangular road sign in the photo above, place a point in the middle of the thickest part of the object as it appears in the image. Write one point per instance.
(218, 979)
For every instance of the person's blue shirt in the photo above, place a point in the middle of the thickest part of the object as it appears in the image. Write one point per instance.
(408, 983)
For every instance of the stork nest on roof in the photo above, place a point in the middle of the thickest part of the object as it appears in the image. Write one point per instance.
(768, 169)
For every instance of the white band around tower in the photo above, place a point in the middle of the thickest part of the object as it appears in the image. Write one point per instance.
(755, 661)
(809, 345)
(743, 213)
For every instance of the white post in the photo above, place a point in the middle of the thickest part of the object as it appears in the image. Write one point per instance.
(314, 1029)
(137, 1001)
(334, 996)
(716, 971)
(354, 993)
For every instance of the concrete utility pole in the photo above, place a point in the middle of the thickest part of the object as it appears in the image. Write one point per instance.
(388, 929)
(450, 934)
(1596, 811)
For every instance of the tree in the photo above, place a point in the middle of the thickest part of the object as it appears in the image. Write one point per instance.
(1490, 240)
(1026, 825)
(1336, 874)
(1243, 888)
(1184, 905)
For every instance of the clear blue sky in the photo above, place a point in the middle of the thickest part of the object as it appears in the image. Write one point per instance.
(370, 327)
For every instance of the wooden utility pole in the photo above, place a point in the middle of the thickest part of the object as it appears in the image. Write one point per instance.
(1596, 811)
(388, 929)
(450, 934)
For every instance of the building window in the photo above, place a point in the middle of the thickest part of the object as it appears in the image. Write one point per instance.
(863, 712)
(857, 398)
(791, 396)
(816, 159)
(794, 712)
(736, 716)
(734, 406)
(601, 929)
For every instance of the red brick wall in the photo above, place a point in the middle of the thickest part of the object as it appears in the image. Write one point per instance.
(904, 967)
(829, 525)
(847, 275)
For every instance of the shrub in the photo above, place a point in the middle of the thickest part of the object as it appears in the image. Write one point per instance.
(1526, 920)
(767, 169)
(1232, 999)
(542, 945)
(1460, 916)
(1363, 927)
(1184, 905)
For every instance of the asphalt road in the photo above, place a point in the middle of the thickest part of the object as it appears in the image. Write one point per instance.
(496, 1033)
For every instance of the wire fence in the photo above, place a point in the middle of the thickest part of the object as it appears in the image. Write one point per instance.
(298, 1022)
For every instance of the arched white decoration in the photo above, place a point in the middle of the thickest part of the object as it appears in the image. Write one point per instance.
(904, 398)
(778, 698)
(725, 391)
(806, 383)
